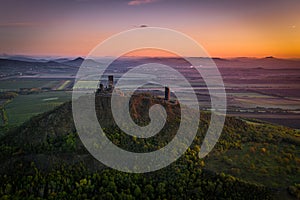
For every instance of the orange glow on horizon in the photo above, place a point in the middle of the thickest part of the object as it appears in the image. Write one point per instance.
(150, 53)
(75, 28)
(223, 45)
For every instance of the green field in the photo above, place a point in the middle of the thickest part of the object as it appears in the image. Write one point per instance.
(23, 107)
(16, 84)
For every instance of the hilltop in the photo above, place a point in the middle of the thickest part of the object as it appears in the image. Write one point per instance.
(250, 156)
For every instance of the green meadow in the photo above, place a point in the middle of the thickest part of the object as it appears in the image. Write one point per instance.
(23, 107)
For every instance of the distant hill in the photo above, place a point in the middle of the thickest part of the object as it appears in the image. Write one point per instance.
(60, 60)
(78, 61)
(21, 64)
(8, 66)
(75, 63)
(266, 63)
(23, 58)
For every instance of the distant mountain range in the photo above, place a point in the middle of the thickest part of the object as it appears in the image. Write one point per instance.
(13, 62)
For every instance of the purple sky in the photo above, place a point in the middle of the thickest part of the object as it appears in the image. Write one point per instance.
(226, 28)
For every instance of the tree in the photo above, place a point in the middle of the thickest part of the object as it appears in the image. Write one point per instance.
(137, 192)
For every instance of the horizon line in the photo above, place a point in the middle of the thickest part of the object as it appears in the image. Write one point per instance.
(49, 56)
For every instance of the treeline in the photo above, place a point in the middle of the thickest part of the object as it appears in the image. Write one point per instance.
(8, 95)
(174, 182)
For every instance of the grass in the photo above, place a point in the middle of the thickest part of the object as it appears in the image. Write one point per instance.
(15, 84)
(25, 106)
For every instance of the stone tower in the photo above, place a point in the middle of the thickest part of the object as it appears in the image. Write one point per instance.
(110, 81)
(167, 93)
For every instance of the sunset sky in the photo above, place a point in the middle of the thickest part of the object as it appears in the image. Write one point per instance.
(225, 28)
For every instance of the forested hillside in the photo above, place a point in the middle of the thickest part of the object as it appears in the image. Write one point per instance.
(44, 158)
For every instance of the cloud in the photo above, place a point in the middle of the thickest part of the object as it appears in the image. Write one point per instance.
(139, 2)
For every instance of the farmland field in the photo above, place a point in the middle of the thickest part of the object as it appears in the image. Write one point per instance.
(267, 94)
(25, 106)
(16, 84)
